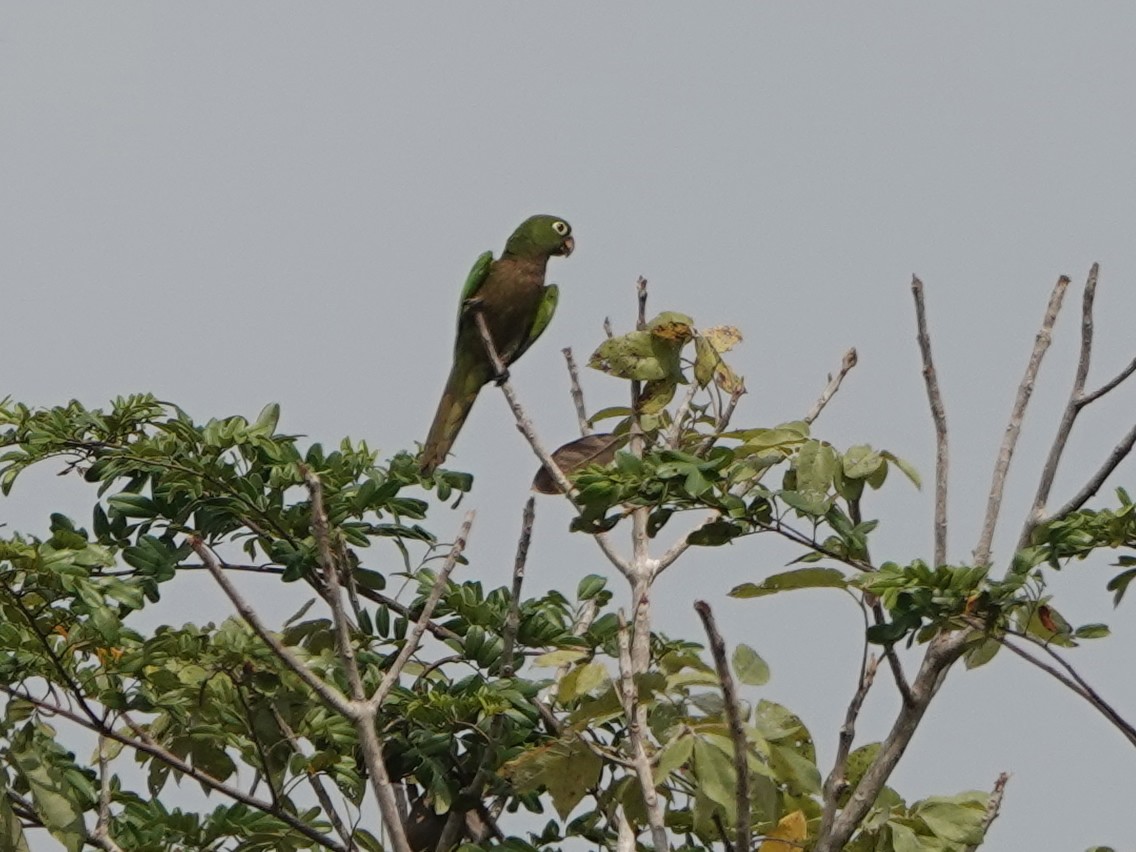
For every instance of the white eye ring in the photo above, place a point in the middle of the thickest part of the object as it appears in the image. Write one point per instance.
(561, 228)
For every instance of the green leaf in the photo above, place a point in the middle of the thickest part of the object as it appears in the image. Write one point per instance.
(715, 533)
(908, 469)
(672, 757)
(11, 831)
(590, 586)
(1118, 585)
(800, 578)
(815, 467)
(581, 681)
(54, 798)
(749, 667)
(860, 462)
(1092, 631)
(715, 773)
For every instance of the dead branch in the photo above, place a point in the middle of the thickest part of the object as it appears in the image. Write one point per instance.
(993, 807)
(837, 782)
(577, 392)
(834, 382)
(1014, 427)
(513, 619)
(938, 417)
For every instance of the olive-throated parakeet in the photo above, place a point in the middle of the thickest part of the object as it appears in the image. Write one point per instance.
(517, 306)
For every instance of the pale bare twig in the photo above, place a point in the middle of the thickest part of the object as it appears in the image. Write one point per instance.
(837, 782)
(1110, 385)
(1071, 679)
(513, 619)
(330, 568)
(413, 640)
(630, 699)
(101, 835)
(315, 780)
(625, 837)
(942, 652)
(327, 693)
(938, 417)
(528, 430)
(674, 436)
(148, 746)
(577, 392)
(846, 365)
(1078, 400)
(1014, 427)
(1118, 454)
(993, 807)
(734, 719)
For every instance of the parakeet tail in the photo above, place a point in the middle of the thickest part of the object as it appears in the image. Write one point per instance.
(457, 400)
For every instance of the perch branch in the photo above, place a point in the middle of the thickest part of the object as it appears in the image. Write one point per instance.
(1118, 454)
(1014, 427)
(993, 807)
(526, 428)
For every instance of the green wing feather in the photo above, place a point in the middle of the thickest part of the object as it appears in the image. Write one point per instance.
(475, 279)
(543, 317)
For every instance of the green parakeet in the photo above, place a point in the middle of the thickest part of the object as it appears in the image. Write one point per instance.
(517, 306)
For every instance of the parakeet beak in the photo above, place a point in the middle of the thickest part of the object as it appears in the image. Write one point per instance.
(567, 246)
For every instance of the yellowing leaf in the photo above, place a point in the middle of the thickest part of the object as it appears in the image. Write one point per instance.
(793, 827)
(722, 337)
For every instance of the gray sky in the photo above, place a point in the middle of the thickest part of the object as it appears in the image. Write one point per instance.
(230, 204)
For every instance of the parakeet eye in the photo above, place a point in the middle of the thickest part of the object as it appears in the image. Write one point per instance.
(561, 228)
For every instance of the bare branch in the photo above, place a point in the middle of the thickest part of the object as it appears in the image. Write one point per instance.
(630, 699)
(1110, 385)
(938, 417)
(526, 427)
(1118, 454)
(513, 620)
(101, 836)
(577, 392)
(734, 718)
(415, 638)
(1071, 679)
(327, 693)
(993, 807)
(641, 294)
(1068, 417)
(942, 652)
(330, 569)
(837, 782)
(834, 382)
(1014, 427)
(314, 780)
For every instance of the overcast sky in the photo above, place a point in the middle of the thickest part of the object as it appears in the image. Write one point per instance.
(230, 204)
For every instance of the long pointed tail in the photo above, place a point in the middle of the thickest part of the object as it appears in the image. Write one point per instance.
(457, 400)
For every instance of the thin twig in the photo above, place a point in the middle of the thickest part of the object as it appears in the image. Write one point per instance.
(837, 782)
(327, 693)
(734, 718)
(993, 807)
(938, 417)
(577, 392)
(1118, 454)
(526, 427)
(630, 699)
(1111, 384)
(314, 780)
(513, 619)
(415, 638)
(330, 569)
(846, 365)
(1014, 427)
(1072, 679)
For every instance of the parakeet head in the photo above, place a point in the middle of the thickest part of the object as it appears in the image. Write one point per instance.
(541, 235)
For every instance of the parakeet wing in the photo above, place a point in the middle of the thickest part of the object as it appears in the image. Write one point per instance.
(542, 319)
(475, 279)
